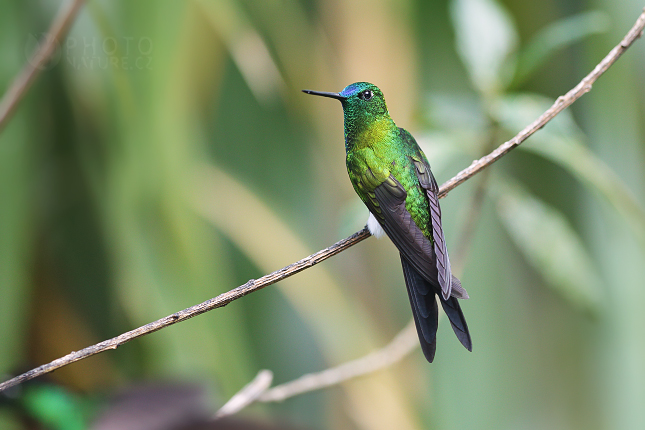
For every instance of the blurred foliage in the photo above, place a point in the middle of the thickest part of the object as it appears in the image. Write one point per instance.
(167, 155)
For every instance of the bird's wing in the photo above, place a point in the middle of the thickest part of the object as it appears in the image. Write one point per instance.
(387, 203)
(429, 184)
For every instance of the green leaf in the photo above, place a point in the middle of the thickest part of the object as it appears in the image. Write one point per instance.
(558, 35)
(54, 407)
(551, 246)
(485, 36)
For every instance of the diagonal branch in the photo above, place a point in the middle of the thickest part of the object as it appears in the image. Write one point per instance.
(247, 395)
(260, 390)
(560, 104)
(35, 65)
(217, 302)
(401, 345)
(254, 285)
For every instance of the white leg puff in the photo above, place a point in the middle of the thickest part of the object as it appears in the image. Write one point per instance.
(374, 227)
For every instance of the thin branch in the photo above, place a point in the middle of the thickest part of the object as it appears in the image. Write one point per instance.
(217, 302)
(247, 395)
(258, 389)
(36, 64)
(560, 104)
(254, 285)
(402, 344)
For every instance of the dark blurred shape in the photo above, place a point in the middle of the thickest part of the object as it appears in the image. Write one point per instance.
(154, 407)
(239, 424)
(158, 406)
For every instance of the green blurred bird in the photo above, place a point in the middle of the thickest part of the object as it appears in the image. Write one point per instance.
(392, 176)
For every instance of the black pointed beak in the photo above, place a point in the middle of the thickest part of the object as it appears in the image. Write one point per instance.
(325, 94)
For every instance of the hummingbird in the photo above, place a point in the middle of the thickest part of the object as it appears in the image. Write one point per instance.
(392, 176)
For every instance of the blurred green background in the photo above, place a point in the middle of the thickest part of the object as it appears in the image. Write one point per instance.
(166, 155)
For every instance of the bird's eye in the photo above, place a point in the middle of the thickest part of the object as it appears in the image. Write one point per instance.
(366, 95)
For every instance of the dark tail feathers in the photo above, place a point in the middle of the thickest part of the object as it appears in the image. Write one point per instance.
(426, 315)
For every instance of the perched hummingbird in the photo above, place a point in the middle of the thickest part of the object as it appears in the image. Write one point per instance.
(392, 177)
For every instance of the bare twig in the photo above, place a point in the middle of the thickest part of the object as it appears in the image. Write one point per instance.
(217, 302)
(404, 343)
(254, 285)
(247, 395)
(560, 104)
(258, 389)
(36, 64)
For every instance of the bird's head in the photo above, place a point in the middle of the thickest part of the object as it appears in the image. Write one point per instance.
(363, 105)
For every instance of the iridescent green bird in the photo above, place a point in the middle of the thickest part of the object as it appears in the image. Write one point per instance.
(392, 177)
